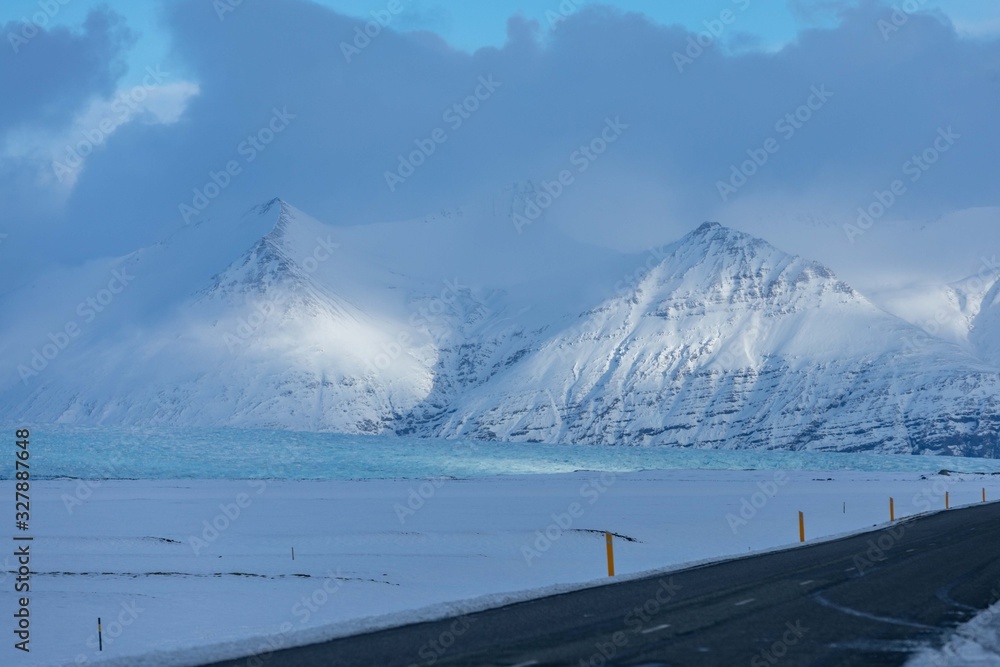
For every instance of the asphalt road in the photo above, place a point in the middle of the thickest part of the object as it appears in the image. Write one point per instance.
(864, 600)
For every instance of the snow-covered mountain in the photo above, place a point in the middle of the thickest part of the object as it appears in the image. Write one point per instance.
(719, 340)
(274, 340)
(729, 342)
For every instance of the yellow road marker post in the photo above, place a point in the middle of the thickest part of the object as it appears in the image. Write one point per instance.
(611, 554)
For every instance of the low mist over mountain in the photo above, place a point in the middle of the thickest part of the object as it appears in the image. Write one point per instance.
(718, 340)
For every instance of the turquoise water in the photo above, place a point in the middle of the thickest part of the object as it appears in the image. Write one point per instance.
(244, 454)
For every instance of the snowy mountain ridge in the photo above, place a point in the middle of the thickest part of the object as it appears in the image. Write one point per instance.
(724, 342)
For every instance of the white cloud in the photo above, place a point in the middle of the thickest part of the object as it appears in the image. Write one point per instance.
(60, 155)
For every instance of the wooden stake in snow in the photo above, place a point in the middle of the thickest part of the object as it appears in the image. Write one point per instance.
(802, 527)
(293, 553)
(892, 509)
(100, 637)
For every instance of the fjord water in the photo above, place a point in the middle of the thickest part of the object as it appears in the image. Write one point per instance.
(96, 453)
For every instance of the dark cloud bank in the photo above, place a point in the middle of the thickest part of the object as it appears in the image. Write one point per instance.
(347, 115)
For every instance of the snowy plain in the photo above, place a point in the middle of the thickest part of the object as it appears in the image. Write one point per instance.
(186, 570)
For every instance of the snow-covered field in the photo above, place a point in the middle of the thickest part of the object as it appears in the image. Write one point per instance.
(185, 570)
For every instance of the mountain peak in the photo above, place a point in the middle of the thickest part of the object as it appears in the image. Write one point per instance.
(735, 267)
(266, 208)
(282, 209)
(275, 257)
(708, 227)
(715, 236)
(712, 238)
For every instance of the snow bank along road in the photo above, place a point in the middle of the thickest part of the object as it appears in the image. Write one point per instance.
(869, 599)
